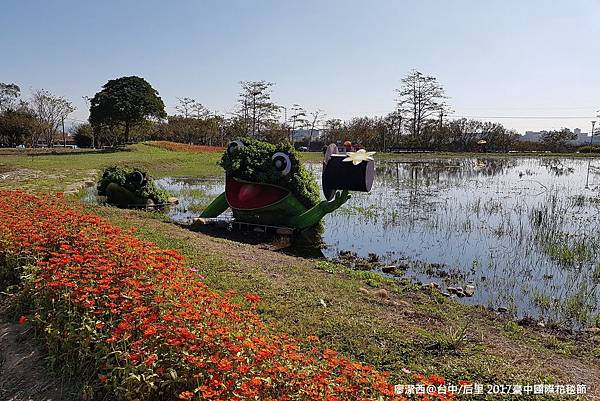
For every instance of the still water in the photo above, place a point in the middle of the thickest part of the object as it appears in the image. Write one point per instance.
(523, 231)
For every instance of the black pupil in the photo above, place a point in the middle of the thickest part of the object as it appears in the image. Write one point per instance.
(280, 163)
(138, 177)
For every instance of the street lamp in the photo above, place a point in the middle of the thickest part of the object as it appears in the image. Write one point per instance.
(587, 177)
(285, 126)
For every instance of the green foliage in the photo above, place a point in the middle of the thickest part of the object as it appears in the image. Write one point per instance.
(121, 176)
(126, 101)
(557, 140)
(554, 343)
(253, 162)
(16, 127)
(450, 340)
(589, 149)
(513, 329)
(84, 135)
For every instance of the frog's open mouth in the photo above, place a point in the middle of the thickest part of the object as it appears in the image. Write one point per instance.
(251, 195)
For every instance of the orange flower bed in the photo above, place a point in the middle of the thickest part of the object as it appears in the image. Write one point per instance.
(145, 326)
(182, 147)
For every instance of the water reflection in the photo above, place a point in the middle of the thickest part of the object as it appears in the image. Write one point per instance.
(478, 217)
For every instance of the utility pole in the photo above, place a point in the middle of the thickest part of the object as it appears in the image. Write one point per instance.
(63, 130)
(254, 114)
(246, 114)
(587, 178)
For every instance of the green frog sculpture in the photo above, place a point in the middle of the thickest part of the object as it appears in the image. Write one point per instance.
(267, 184)
(129, 187)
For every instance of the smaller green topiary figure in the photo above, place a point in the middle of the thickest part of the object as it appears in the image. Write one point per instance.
(130, 187)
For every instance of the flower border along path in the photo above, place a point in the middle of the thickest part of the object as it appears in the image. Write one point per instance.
(142, 324)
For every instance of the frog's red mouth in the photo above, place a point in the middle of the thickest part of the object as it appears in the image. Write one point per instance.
(250, 195)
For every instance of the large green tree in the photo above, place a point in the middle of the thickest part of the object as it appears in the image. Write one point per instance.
(125, 102)
(557, 140)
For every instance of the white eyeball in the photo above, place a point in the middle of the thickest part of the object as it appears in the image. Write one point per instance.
(282, 163)
(234, 146)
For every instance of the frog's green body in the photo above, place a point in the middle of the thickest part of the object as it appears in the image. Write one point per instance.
(267, 184)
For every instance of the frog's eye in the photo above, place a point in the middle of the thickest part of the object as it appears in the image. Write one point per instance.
(282, 163)
(138, 178)
(234, 147)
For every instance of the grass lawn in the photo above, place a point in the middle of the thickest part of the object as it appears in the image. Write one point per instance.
(389, 324)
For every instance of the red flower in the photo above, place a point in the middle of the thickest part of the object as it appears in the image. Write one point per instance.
(253, 298)
(23, 320)
(437, 380)
(186, 395)
(151, 359)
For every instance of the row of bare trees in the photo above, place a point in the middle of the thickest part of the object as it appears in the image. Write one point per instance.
(418, 122)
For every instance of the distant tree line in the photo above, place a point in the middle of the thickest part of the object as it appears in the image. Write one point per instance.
(129, 109)
(36, 121)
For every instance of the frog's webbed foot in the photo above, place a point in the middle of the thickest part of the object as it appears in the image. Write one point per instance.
(313, 215)
(339, 199)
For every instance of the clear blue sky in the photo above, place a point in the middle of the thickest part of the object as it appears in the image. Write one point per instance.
(495, 58)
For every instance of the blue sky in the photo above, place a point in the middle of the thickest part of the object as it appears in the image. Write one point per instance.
(495, 58)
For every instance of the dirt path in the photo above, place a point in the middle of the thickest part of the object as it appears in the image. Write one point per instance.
(22, 373)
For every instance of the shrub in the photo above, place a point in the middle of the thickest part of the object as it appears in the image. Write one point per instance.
(121, 176)
(184, 147)
(589, 149)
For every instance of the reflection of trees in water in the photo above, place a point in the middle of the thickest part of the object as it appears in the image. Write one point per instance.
(476, 216)
(444, 173)
(556, 166)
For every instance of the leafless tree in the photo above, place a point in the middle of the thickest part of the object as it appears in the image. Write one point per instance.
(9, 93)
(297, 118)
(317, 116)
(420, 98)
(50, 111)
(186, 106)
(256, 104)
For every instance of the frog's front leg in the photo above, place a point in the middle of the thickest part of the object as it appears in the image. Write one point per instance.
(313, 215)
(216, 207)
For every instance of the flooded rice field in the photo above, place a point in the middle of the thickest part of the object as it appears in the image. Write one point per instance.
(522, 231)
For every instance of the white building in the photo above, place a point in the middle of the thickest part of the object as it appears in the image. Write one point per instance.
(303, 134)
(582, 138)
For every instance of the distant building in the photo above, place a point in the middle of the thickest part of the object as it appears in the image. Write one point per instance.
(303, 135)
(533, 136)
(582, 138)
